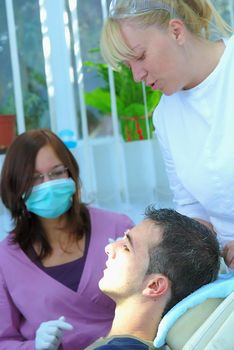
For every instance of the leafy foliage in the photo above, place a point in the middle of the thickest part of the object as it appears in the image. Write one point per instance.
(29, 41)
(129, 95)
(129, 100)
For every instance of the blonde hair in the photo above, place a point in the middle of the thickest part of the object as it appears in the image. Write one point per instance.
(199, 16)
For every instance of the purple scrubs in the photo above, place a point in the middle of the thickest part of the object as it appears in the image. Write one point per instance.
(29, 296)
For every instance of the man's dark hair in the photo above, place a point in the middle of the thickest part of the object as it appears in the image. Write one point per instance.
(188, 253)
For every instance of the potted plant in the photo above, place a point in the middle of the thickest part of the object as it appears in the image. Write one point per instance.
(129, 99)
(35, 106)
(7, 124)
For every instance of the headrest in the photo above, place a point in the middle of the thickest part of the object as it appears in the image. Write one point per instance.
(221, 288)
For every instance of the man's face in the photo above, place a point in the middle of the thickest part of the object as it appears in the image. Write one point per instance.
(128, 261)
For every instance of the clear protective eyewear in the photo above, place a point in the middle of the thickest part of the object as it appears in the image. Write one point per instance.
(127, 8)
(59, 172)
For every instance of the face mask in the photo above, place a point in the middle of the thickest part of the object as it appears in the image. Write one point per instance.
(52, 198)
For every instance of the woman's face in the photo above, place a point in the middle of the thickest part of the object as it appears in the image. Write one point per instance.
(160, 57)
(48, 166)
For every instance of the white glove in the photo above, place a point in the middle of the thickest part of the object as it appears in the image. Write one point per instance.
(49, 334)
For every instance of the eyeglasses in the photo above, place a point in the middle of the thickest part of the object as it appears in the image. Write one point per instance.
(59, 172)
(122, 9)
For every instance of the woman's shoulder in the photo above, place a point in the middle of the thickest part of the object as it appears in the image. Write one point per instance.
(5, 243)
(100, 212)
(109, 216)
(7, 246)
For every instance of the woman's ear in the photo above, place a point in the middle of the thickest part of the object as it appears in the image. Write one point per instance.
(157, 286)
(176, 28)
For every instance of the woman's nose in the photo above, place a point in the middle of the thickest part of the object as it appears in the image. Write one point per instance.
(46, 178)
(139, 74)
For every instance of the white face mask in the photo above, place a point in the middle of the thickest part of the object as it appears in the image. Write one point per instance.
(52, 198)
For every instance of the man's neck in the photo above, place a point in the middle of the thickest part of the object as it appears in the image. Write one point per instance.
(136, 319)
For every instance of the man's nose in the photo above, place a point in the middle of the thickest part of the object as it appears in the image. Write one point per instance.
(111, 248)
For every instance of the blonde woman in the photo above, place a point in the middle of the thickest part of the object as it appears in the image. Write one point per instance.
(186, 50)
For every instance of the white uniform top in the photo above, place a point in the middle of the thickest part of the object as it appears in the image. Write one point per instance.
(195, 129)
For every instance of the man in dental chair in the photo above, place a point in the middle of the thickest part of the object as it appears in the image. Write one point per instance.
(155, 265)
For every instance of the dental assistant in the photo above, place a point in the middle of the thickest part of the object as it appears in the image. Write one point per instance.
(186, 50)
(51, 262)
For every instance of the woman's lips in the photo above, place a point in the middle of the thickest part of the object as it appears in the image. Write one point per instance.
(154, 86)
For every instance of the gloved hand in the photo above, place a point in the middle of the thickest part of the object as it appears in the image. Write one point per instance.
(49, 334)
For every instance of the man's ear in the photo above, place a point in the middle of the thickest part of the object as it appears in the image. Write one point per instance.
(158, 285)
(176, 28)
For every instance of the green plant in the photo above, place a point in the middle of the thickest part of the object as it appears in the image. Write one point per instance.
(33, 106)
(8, 107)
(33, 82)
(35, 102)
(129, 100)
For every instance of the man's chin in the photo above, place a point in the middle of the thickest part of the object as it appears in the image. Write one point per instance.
(101, 285)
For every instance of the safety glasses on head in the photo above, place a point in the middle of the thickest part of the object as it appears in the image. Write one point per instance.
(128, 8)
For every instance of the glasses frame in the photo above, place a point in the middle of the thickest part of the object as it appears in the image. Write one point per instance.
(40, 178)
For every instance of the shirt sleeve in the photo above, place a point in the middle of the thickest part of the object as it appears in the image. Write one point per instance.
(10, 337)
(185, 203)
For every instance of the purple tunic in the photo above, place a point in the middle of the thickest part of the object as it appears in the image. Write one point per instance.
(69, 273)
(29, 296)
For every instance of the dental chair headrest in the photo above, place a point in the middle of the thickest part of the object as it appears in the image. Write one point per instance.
(209, 295)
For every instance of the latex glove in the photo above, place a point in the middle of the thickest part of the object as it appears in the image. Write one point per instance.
(49, 334)
(228, 254)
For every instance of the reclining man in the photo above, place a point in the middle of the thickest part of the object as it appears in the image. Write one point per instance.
(156, 264)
